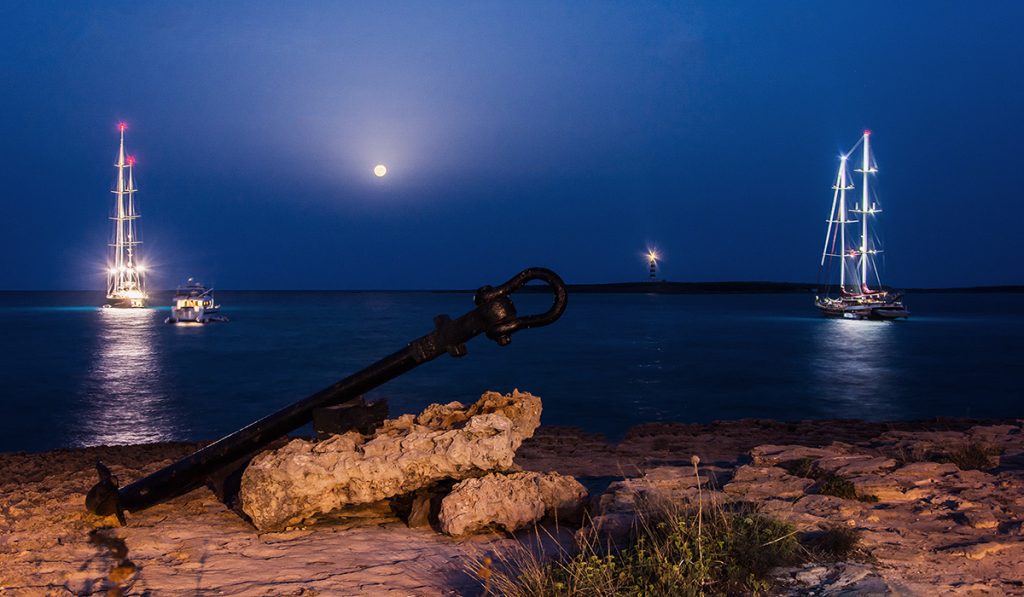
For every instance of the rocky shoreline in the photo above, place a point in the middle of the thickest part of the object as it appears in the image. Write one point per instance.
(938, 504)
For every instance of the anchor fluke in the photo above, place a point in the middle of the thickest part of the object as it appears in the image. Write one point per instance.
(103, 499)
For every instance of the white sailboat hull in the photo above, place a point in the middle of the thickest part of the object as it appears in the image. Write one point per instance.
(860, 309)
(125, 303)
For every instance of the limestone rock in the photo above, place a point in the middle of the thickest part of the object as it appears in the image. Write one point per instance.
(920, 474)
(829, 507)
(757, 483)
(666, 484)
(980, 551)
(770, 455)
(510, 502)
(852, 465)
(303, 479)
(885, 488)
(981, 518)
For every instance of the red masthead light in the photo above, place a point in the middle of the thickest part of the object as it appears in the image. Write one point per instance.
(867, 132)
(121, 126)
(131, 160)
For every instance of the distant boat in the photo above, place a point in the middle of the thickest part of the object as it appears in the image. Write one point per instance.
(194, 303)
(126, 274)
(860, 293)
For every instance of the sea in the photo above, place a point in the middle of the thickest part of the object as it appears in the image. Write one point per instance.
(72, 374)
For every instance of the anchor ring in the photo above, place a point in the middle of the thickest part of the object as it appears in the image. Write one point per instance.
(502, 330)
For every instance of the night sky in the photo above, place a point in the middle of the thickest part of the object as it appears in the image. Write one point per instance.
(567, 135)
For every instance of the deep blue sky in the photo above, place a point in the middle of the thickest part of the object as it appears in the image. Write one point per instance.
(568, 135)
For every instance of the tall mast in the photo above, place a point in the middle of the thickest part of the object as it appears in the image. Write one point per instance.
(842, 223)
(125, 276)
(134, 267)
(865, 211)
(117, 273)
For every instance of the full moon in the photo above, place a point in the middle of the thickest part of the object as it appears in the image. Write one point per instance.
(380, 170)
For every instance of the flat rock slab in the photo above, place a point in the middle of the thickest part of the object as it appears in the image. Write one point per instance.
(770, 455)
(852, 465)
(766, 483)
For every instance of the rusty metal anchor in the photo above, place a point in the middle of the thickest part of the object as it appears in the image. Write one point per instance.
(495, 316)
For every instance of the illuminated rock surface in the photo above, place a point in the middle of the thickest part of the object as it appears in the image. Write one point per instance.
(284, 487)
(510, 502)
(945, 530)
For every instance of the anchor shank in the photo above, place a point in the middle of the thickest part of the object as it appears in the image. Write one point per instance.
(191, 472)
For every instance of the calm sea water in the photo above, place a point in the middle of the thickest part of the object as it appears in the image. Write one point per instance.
(75, 375)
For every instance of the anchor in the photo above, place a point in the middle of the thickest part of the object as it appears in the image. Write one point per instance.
(494, 316)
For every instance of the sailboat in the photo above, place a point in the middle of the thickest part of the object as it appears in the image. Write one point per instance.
(126, 274)
(860, 293)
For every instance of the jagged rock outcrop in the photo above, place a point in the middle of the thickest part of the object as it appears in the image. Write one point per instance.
(303, 479)
(510, 501)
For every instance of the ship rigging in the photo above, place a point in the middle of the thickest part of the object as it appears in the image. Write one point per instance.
(126, 274)
(861, 294)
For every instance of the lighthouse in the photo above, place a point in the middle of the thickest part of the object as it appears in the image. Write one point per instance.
(652, 265)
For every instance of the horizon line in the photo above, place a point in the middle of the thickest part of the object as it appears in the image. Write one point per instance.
(639, 284)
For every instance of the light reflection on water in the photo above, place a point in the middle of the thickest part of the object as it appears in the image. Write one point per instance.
(853, 360)
(128, 403)
(74, 375)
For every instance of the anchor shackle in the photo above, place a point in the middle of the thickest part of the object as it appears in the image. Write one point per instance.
(501, 313)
